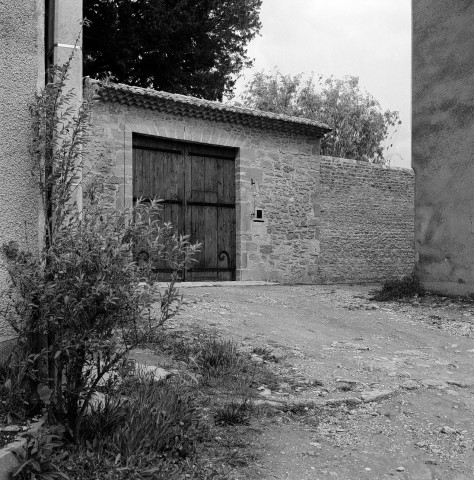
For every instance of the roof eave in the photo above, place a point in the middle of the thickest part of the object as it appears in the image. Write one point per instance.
(197, 108)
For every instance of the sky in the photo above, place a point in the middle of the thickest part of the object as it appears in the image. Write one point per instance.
(370, 39)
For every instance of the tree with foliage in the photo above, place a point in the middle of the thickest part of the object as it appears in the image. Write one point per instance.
(360, 129)
(191, 47)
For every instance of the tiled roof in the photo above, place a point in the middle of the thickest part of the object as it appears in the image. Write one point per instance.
(205, 109)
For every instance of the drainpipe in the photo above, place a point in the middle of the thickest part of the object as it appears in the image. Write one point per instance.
(63, 25)
(63, 19)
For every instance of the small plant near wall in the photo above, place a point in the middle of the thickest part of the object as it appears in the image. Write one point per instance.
(83, 302)
(39, 456)
(408, 286)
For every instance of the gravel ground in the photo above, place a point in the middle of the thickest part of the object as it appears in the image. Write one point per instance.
(370, 390)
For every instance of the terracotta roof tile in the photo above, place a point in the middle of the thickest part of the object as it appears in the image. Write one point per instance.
(205, 109)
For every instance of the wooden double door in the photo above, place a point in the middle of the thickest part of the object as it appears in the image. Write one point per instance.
(197, 185)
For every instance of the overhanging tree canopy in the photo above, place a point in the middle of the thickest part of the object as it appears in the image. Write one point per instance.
(191, 47)
(360, 129)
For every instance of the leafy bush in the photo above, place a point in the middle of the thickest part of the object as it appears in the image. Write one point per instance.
(85, 294)
(84, 301)
(408, 286)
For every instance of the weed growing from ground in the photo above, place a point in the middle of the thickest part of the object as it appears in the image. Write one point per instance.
(161, 418)
(103, 418)
(408, 286)
(236, 412)
(39, 457)
(218, 358)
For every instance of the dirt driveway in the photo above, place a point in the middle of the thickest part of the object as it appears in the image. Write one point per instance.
(395, 380)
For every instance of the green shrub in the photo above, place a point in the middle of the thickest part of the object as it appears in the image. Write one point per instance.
(84, 301)
(408, 286)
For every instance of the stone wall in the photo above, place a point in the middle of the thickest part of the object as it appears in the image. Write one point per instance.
(443, 143)
(276, 172)
(366, 230)
(21, 74)
(325, 219)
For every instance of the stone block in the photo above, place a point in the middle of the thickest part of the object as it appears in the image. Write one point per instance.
(242, 260)
(314, 247)
(312, 270)
(248, 154)
(251, 247)
(266, 249)
(115, 180)
(256, 174)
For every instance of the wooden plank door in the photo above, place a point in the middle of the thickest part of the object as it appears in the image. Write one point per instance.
(210, 210)
(158, 169)
(197, 184)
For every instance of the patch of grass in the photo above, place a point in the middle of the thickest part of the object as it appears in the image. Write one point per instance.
(173, 429)
(408, 286)
(103, 418)
(216, 360)
(149, 434)
(218, 357)
(161, 418)
(88, 464)
(236, 412)
(173, 344)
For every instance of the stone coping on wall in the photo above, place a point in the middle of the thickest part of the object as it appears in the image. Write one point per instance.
(205, 109)
(362, 163)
